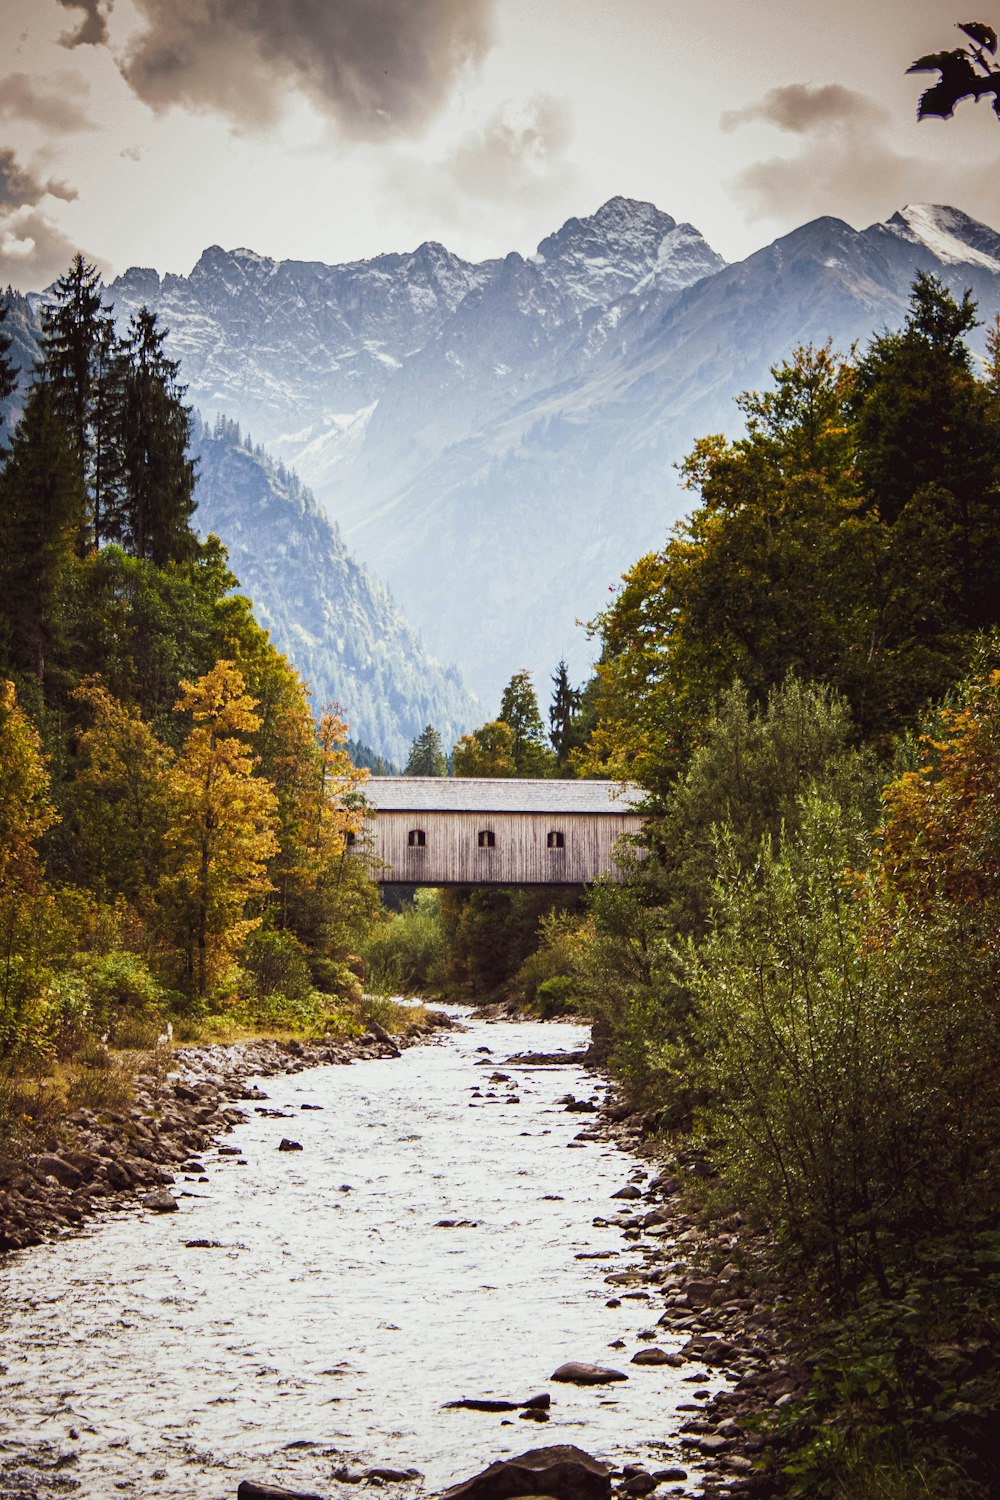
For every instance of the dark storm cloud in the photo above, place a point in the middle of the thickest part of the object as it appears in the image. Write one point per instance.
(378, 67)
(56, 103)
(93, 26)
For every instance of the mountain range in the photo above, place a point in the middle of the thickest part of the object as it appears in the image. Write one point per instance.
(497, 439)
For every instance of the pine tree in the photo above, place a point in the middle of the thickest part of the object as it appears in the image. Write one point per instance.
(519, 709)
(8, 371)
(427, 757)
(41, 513)
(564, 714)
(70, 331)
(158, 475)
(105, 470)
(928, 454)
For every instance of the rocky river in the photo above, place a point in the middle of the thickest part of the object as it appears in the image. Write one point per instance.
(449, 1229)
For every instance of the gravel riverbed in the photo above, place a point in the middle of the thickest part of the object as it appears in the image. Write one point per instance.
(533, 1259)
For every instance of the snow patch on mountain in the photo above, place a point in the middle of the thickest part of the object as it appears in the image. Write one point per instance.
(951, 236)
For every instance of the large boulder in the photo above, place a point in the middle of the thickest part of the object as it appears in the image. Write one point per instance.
(249, 1490)
(562, 1471)
(575, 1373)
(63, 1171)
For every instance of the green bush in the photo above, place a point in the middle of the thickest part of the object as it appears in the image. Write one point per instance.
(275, 964)
(404, 955)
(556, 997)
(116, 997)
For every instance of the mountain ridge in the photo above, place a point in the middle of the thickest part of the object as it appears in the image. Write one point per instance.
(497, 438)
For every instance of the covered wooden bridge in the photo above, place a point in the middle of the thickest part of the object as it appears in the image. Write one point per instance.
(437, 830)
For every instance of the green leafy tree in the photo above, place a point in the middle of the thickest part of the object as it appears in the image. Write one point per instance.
(851, 537)
(427, 757)
(968, 72)
(118, 799)
(487, 751)
(809, 1062)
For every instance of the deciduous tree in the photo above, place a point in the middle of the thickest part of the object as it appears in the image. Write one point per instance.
(221, 826)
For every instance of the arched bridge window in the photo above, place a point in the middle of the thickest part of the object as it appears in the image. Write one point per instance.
(487, 838)
(416, 838)
(351, 839)
(556, 839)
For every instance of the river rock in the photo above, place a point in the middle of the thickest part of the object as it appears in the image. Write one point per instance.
(287, 1145)
(574, 1373)
(656, 1357)
(248, 1490)
(563, 1472)
(160, 1201)
(381, 1035)
(63, 1171)
(640, 1484)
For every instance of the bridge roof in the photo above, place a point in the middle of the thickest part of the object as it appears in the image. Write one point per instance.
(485, 794)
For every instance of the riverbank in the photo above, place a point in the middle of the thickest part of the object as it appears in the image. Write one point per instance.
(181, 1101)
(715, 1313)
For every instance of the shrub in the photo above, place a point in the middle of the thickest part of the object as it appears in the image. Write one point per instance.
(556, 997)
(275, 964)
(404, 955)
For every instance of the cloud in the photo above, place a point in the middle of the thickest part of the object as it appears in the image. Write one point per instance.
(845, 164)
(131, 153)
(55, 102)
(33, 250)
(379, 68)
(803, 108)
(517, 160)
(517, 152)
(93, 26)
(20, 188)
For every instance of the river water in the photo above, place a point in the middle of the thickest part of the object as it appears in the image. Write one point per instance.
(338, 1314)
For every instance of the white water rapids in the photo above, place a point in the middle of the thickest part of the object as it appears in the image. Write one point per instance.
(337, 1317)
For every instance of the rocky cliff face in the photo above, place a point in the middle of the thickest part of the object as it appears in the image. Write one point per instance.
(498, 440)
(335, 621)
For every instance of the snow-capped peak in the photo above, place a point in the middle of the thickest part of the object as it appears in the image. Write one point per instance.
(952, 236)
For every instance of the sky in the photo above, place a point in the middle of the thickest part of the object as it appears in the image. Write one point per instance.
(142, 131)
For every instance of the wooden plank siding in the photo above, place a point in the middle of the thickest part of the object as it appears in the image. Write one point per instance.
(451, 852)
